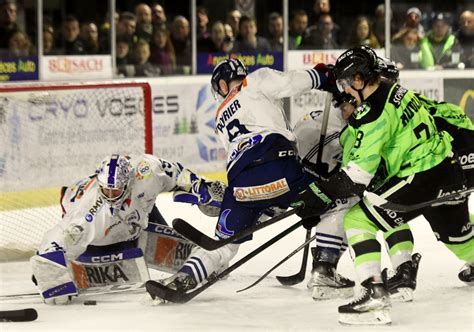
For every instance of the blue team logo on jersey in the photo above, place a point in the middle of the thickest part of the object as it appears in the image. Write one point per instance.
(89, 217)
(221, 229)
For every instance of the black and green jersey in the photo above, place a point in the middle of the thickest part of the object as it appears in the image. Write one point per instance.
(452, 114)
(393, 125)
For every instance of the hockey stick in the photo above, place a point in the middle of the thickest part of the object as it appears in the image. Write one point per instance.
(156, 289)
(110, 289)
(381, 202)
(299, 277)
(305, 245)
(21, 315)
(208, 243)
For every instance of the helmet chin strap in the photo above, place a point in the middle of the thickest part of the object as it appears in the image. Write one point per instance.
(359, 91)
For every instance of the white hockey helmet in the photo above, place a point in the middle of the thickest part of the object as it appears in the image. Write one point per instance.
(114, 175)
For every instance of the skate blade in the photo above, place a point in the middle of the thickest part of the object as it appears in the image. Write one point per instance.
(326, 293)
(376, 317)
(402, 295)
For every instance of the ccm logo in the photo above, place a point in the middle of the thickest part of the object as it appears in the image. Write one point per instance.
(286, 153)
(107, 258)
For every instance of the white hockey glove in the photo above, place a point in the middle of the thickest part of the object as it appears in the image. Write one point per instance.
(53, 277)
(206, 194)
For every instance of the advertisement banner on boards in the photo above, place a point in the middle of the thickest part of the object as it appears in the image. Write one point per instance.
(76, 67)
(184, 122)
(19, 69)
(253, 60)
(460, 91)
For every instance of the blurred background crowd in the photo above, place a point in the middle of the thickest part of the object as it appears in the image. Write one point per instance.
(155, 38)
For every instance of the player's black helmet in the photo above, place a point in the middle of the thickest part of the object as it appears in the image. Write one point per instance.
(227, 70)
(388, 69)
(360, 59)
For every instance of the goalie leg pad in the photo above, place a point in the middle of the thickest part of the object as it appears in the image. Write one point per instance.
(53, 277)
(113, 268)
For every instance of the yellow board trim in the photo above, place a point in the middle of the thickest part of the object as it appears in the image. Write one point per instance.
(43, 197)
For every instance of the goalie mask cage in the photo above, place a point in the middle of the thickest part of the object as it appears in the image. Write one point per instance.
(53, 135)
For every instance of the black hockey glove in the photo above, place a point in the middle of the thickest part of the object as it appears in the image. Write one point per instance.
(328, 71)
(311, 222)
(311, 202)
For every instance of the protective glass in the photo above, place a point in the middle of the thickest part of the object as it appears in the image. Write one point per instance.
(344, 83)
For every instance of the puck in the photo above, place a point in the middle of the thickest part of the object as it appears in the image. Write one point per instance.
(90, 302)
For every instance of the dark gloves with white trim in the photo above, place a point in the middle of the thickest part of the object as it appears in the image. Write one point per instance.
(329, 84)
(311, 202)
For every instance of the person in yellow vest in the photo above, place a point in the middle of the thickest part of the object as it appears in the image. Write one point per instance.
(440, 48)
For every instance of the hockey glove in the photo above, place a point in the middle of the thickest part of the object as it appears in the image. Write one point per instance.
(330, 83)
(312, 202)
(311, 222)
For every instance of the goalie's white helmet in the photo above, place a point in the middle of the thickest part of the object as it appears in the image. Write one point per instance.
(114, 175)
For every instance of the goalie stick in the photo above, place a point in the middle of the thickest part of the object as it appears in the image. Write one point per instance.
(381, 202)
(208, 243)
(21, 315)
(110, 289)
(299, 277)
(305, 245)
(156, 289)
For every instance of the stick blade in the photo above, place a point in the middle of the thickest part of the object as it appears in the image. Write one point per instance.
(22, 315)
(156, 289)
(194, 235)
(290, 280)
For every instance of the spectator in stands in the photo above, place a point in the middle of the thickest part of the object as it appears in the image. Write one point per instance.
(229, 33)
(406, 49)
(218, 42)
(378, 25)
(69, 42)
(8, 23)
(158, 15)
(90, 38)
(297, 29)
(275, 30)
(322, 37)
(465, 36)
(142, 65)
(48, 40)
(362, 35)
(124, 67)
(19, 45)
(126, 28)
(249, 41)
(202, 23)
(323, 7)
(144, 28)
(440, 48)
(181, 43)
(233, 19)
(413, 21)
(162, 51)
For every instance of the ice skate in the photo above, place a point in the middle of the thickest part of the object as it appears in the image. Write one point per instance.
(467, 274)
(180, 282)
(371, 307)
(325, 282)
(402, 284)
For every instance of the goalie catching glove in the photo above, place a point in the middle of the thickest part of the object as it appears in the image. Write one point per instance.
(206, 194)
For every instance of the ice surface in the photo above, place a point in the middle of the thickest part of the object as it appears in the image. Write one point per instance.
(442, 302)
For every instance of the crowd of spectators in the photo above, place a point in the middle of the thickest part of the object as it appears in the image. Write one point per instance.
(148, 43)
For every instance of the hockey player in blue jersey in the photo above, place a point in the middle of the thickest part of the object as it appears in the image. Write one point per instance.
(262, 167)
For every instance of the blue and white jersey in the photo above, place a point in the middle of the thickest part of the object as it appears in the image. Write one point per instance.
(89, 220)
(254, 110)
